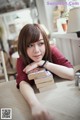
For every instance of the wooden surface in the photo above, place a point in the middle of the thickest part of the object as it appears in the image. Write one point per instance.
(63, 101)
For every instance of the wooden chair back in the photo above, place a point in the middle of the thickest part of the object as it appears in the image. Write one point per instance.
(3, 66)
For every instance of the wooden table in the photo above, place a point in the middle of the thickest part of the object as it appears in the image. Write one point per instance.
(63, 101)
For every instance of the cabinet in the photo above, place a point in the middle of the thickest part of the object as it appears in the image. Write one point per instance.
(76, 51)
(69, 45)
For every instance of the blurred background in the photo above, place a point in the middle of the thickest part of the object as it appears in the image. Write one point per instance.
(52, 14)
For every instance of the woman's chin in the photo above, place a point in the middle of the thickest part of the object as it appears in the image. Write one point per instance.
(37, 60)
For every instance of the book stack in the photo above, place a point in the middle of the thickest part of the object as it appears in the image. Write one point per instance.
(43, 79)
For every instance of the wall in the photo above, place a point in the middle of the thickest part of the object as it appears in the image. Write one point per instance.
(45, 10)
(13, 22)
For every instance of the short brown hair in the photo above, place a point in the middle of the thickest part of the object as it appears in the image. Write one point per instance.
(30, 33)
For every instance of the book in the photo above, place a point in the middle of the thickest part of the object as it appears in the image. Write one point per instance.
(37, 73)
(45, 84)
(49, 87)
(48, 78)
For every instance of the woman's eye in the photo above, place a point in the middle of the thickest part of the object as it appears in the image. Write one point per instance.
(41, 43)
(30, 45)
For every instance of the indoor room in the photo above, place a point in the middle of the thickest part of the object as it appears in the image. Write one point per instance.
(40, 59)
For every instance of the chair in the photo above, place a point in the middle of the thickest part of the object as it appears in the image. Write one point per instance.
(77, 75)
(3, 67)
(11, 71)
(12, 46)
(8, 69)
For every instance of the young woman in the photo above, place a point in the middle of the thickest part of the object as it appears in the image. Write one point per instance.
(35, 51)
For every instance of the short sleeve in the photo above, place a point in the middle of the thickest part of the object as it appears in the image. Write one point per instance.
(58, 57)
(21, 76)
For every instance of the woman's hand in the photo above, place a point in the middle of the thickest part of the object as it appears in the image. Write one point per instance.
(40, 113)
(33, 65)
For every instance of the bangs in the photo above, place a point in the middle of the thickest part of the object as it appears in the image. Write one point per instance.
(33, 35)
(30, 33)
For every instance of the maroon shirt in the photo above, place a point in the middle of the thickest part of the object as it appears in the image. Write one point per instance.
(57, 58)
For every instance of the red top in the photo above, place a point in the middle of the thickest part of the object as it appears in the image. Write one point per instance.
(57, 58)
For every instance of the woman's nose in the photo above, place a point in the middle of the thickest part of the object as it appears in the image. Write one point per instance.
(36, 48)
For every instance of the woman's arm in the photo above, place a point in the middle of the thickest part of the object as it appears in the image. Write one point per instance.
(28, 93)
(37, 110)
(61, 71)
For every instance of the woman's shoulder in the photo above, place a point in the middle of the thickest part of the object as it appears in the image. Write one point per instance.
(20, 63)
(55, 52)
(53, 48)
(20, 60)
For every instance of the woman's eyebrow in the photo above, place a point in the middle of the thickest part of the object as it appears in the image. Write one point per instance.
(40, 39)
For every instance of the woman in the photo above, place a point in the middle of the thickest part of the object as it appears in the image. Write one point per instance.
(35, 51)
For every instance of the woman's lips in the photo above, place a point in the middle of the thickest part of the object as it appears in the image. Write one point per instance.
(37, 56)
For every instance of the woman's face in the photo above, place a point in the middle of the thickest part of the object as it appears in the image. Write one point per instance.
(36, 50)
